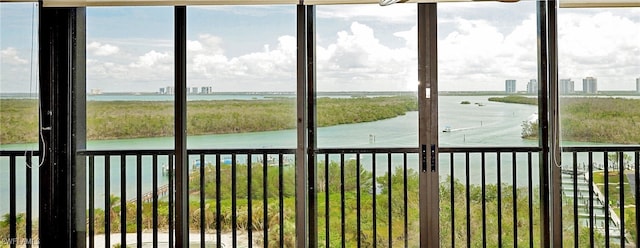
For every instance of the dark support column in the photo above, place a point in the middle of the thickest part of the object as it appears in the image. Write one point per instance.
(302, 122)
(311, 126)
(182, 171)
(62, 211)
(554, 121)
(543, 120)
(428, 124)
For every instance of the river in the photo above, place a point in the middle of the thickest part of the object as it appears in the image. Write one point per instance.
(481, 123)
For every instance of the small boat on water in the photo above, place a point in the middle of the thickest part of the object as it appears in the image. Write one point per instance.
(446, 129)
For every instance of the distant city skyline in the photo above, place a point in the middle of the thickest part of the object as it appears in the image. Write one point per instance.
(565, 86)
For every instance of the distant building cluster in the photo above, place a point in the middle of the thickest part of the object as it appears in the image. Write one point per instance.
(565, 86)
(95, 92)
(205, 90)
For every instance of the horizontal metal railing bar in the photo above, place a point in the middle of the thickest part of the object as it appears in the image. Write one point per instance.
(368, 150)
(334, 150)
(601, 148)
(124, 152)
(489, 149)
(223, 151)
(228, 151)
(19, 153)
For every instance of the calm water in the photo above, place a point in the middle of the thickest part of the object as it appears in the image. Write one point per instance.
(492, 124)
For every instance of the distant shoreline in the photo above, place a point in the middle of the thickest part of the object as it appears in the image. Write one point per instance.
(612, 93)
(107, 120)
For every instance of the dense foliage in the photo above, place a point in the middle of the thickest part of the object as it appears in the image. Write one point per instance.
(256, 221)
(515, 99)
(590, 119)
(137, 119)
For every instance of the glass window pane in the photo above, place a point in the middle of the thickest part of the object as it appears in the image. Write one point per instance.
(129, 57)
(367, 98)
(367, 76)
(488, 92)
(599, 86)
(486, 52)
(19, 89)
(241, 64)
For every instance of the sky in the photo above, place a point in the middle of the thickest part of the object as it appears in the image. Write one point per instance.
(359, 47)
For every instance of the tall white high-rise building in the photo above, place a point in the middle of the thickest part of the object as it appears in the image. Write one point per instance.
(567, 86)
(510, 86)
(638, 85)
(590, 85)
(532, 86)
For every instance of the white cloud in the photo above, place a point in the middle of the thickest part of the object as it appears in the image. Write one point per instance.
(397, 13)
(357, 60)
(474, 54)
(477, 56)
(272, 69)
(100, 49)
(603, 45)
(194, 45)
(152, 58)
(10, 56)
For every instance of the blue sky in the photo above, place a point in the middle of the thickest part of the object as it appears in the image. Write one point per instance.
(360, 47)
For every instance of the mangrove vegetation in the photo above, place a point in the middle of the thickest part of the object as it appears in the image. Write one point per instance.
(590, 119)
(139, 119)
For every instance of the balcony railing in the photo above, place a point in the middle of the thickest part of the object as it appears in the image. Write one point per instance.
(365, 197)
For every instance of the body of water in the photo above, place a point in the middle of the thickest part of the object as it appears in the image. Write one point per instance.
(481, 123)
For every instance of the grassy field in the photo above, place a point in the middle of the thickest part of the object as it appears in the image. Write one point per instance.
(137, 119)
(590, 119)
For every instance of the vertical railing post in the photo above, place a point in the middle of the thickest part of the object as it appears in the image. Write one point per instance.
(182, 172)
